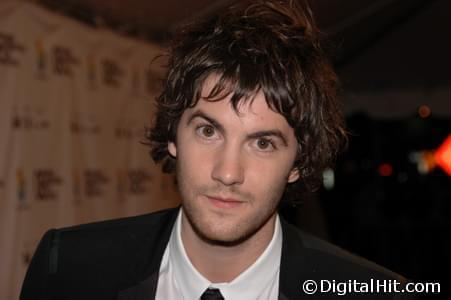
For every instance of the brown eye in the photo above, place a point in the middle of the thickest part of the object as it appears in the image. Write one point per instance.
(207, 131)
(263, 144)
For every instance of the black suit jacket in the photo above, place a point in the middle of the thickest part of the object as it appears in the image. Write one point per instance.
(120, 259)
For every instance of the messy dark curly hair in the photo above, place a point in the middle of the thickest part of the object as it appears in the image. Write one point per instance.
(268, 46)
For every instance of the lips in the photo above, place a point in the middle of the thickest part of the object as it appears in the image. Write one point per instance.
(224, 202)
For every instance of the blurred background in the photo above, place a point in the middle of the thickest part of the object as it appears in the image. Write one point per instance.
(77, 83)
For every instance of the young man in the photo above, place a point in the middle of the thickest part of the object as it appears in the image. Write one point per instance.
(248, 116)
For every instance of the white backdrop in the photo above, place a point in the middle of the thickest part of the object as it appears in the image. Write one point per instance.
(74, 102)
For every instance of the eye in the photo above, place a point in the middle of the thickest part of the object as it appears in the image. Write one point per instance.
(265, 144)
(206, 131)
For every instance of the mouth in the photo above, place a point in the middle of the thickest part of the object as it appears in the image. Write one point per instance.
(220, 202)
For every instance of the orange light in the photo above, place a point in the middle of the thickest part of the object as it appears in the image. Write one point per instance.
(443, 155)
(424, 111)
(385, 170)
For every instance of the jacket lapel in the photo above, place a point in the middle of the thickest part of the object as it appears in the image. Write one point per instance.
(146, 288)
(295, 266)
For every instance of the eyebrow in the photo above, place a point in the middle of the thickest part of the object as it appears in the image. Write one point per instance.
(259, 134)
(200, 114)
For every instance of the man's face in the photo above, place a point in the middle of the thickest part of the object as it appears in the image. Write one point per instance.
(232, 168)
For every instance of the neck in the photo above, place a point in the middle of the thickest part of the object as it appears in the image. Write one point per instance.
(219, 263)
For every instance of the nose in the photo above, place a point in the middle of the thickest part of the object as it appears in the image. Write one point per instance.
(228, 166)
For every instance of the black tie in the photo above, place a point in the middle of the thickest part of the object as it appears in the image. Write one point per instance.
(211, 294)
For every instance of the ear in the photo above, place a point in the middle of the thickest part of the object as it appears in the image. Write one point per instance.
(172, 149)
(294, 175)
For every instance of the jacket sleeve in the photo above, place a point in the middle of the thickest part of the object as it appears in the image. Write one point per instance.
(36, 282)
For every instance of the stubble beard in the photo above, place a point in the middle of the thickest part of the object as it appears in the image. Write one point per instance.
(236, 236)
(202, 222)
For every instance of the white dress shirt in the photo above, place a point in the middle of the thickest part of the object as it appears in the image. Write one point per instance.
(178, 279)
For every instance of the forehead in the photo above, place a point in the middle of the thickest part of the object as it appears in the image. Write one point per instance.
(251, 113)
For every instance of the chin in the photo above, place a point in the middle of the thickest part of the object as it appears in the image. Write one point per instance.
(224, 240)
(222, 236)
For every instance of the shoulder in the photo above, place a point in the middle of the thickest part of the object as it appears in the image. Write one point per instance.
(149, 219)
(117, 235)
(114, 228)
(112, 236)
(102, 257)
(325, 260)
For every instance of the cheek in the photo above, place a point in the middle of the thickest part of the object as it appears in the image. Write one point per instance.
(273, 169)
(195, 161)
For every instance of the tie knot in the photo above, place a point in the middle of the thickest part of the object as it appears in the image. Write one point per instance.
(211, 294)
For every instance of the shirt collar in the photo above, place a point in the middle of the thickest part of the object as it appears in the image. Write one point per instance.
(248, 285)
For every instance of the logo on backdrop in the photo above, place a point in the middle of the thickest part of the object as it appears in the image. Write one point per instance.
(46, 183)
(26, 118)
(121, 184)
(64, 61)
(128, 129)
(85, 124)
(8, 48)
(134, 182)
(123, 132)
(41, 59)
(94, 182)
(76, 186)
(112, 73)
(21, 184)
(91, 72)
(139, 181)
